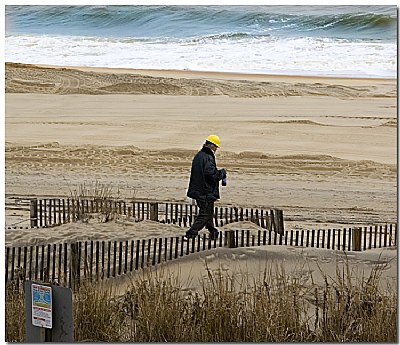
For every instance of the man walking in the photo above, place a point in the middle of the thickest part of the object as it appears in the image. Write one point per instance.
(204, 187)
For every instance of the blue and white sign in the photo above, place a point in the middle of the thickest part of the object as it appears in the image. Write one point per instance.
(42, 306)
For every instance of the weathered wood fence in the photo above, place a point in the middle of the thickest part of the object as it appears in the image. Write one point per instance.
(51, 212)
(68, 264)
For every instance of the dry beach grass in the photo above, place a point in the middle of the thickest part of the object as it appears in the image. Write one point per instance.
(273, 306)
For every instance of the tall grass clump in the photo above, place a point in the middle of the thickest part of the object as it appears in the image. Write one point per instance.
(95, 190)
(14, 313)
(103, 194)
(357, 309)
(157, 309)
(237, 308)
(97, 316)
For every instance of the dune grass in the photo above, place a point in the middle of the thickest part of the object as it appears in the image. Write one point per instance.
(103, 194)
(274, 307)
(14, 313)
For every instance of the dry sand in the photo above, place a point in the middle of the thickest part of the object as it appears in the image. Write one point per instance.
(307, 266)
(322, 149)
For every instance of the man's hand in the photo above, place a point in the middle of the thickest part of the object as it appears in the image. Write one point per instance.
(223, 172)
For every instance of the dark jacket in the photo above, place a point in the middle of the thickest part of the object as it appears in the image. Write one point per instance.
(204, 176)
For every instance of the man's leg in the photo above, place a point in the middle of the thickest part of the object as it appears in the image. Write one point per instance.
(210, 222)
(201, 219)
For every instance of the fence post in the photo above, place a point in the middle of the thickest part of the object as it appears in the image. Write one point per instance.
(231, 239)
(40, 215)
(74, 267)
(7, 257)
(154, 211)
(34, 214)
(216, 216)
(356, 239)
(279, 221)
(272, 224)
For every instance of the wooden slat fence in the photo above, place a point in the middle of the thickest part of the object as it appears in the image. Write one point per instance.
(51, 212)
(67, 264)
(345, 239)
(184, 215)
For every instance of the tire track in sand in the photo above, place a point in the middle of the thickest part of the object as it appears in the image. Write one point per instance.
(307, 186)
(22, 78)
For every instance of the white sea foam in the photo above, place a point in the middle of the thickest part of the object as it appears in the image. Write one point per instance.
(273, 55)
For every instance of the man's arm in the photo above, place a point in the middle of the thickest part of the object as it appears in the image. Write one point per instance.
(211, 172)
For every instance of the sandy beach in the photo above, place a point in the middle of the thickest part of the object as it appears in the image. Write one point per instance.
(324, 150)
(105, 108)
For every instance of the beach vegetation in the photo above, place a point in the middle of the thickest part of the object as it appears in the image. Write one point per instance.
(100, 193)
(14, 312)
(275, 306)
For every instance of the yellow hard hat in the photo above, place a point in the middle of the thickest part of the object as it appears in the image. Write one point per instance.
(214, 139)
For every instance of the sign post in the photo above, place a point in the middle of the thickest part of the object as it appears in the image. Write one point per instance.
(49, 314)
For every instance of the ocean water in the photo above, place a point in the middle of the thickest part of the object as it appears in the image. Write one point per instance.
(353, 41)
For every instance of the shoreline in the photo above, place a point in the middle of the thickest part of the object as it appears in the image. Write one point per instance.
(192, 74)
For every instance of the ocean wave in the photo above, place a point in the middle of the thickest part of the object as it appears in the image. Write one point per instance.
(298, 40)
(228, 36)
(228, 22)
(366, 25)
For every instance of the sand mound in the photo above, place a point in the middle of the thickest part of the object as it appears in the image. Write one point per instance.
(246, 265)
(93, 230)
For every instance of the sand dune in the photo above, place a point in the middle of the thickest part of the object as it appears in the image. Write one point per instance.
(307, 266)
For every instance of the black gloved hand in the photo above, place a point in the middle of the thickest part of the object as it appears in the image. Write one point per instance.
(223, 172)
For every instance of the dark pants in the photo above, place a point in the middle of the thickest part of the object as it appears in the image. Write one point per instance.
(205, 218)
